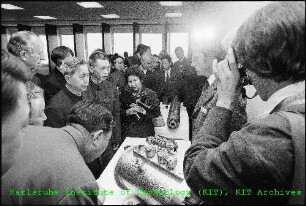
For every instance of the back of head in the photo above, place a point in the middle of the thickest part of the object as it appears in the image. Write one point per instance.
(166, 56)
(21, 41)
(134, 71)
(13, 70)
(271, 42)
(92, 115)
(60, 52)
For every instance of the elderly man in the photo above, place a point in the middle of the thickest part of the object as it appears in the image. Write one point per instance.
(51, 169)
(15, 107)
(147, 68)
(265, 159)
(28, 46)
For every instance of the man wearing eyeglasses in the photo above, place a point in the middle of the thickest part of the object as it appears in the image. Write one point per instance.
(28, 46)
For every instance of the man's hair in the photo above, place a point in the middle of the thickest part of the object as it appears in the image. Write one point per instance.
(13, 70)
(141, 48)
(60, 52)
(70, 64)
(92, 115)
(134, 71)
(166, 57)
(272, 42)
(178, 48)
(21, 41)
(97, 55)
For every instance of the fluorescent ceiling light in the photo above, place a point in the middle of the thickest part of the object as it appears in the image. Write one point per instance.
(10, 7)
(170, 3)
(44, 17)
(111, 16)
(91, 4)
(173, 14)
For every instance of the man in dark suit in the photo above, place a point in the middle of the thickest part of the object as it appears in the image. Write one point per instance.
(55, 81)
(147, 67)
(183, 64)
(136, 58)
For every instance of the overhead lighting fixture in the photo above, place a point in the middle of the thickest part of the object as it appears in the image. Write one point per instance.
(170, 3)
(10, 7)
(44, 17)
(91, 4)
(111, 16)
(173, 14)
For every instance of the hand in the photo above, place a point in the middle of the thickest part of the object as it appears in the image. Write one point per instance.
(228, 77)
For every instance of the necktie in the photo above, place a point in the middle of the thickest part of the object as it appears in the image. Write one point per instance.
(167, 77)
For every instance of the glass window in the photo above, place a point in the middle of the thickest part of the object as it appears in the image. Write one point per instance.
(154, 41)
(44, 40)
(178, 39)
(94, 41)
(123, 42)
(68, 41)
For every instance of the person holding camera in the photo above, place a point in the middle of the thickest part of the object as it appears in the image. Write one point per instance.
(265, 158)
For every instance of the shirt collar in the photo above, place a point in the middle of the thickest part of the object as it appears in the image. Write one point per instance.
(280, 95)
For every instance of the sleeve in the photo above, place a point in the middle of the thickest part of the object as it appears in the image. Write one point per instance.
(86, 194)
(49, 90)
(217, 159)
(155, 110)
(116, 114)
(55, 118)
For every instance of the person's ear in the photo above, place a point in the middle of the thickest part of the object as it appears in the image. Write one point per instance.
(23, 55)
(67, 78)
(90, 69)
(97, 135)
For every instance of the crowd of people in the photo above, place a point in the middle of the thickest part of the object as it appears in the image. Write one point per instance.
(71, 123)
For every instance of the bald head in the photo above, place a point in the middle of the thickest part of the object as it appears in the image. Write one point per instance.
(28, 46)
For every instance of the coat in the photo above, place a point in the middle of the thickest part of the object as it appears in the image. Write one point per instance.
(142, 127)
(53, 83)
(49, 160)
(257, 157)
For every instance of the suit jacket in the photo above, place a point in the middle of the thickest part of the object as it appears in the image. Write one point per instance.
(53, 83)
(149, 79)
(118, 79)
(58, 108)
(142, 127)
(182, 65)
(166, 92)
(107, 94)
(49, 159)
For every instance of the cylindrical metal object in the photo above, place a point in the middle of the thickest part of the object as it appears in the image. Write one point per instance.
(173, 120)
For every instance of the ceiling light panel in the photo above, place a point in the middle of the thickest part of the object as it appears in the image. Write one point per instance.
(10, 7)
(111, 16)
(91, 4)
(173, 15)
(170, 3)
(44, 17)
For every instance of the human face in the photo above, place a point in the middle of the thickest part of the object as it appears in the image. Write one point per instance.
(166, 64)
(179, 53)
(33, 57)
(80, 79)
(101, 69)
(38, 115)
(119, 64)
(12, 129)
(156, 61)
(134, 83)
(147, 62)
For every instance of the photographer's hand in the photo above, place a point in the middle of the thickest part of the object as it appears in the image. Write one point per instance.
(228, 78)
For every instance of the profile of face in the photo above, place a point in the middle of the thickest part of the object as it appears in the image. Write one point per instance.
(134, 83)
(156, 61)
(12, 129)
(38, 115)
(80, 79)
(33, 57)
(179, 53)
(101, 69)
(166, 64)
(119, 64)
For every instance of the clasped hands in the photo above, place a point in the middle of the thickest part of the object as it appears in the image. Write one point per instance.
(134, 109)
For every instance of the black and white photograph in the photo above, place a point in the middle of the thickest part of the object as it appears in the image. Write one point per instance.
(153, 102)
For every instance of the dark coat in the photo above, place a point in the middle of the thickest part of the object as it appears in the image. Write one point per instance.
(49, 159)
(53, 83)
(134, 60)
(118, 79)
(142, 127)
(258, 156)
(182, 65)
(58, 108)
